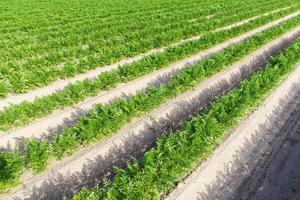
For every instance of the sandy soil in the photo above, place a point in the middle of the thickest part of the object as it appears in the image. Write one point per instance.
(46, 126)
(257, 160)
(60, 84)
(277, 175)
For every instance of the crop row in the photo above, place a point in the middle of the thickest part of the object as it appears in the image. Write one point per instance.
(21, 75)
(26, 112)
(91, 25)
(83, 26)
(54, 15)
(68, 21)
(104, 120)
(11, 9)
(178, 153)
(95, 13)
(84, 44)
(15, 65)
(108, 29)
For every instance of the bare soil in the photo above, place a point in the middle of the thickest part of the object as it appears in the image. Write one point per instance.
(260, 158)
(277, 175)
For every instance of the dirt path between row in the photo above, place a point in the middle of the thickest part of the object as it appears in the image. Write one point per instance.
(259, 159)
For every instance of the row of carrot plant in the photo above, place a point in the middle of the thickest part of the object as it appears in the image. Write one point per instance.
(117, 23)
(26, 112)
(14, 65)
(91, 48)
(51, 14)
(104, 29)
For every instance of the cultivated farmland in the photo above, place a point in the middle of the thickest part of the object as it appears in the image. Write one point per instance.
(156, 99)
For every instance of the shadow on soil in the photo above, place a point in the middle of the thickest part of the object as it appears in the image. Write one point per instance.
(260, 170)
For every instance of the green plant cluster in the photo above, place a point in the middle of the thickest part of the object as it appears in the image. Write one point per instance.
(35, 55)
(179, 153)
(104, 120)
(26, 112)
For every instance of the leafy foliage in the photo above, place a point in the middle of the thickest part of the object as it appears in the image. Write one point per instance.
(37, 49)
(104, 120)
(24, 113)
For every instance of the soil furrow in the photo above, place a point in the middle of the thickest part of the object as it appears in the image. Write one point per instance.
(276, 174)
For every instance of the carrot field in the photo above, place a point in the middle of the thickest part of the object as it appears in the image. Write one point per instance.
(129, 99)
